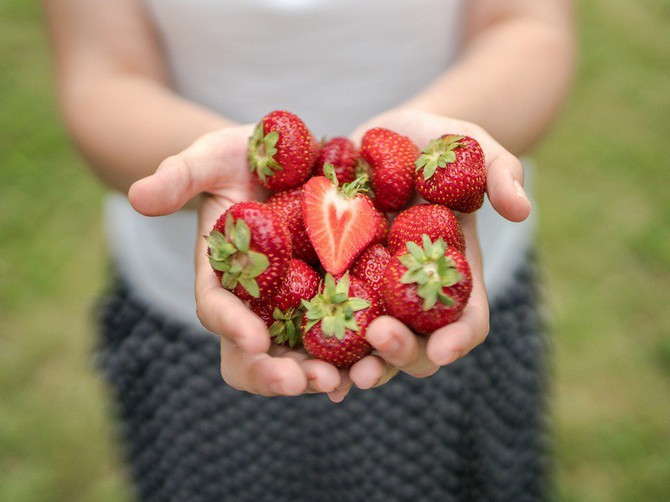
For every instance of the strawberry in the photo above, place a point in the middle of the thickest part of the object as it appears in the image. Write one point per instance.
(426, 287)
(336, 321)
(431, 219)
(287, 206)
(391, 158)
(451, 171)
(249, 249)
(282, 151)
(381, 237)
(340, 222)
(342, 154)
(283, 312)
(370, 265)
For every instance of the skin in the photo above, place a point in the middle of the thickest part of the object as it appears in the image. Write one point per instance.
(508, 84)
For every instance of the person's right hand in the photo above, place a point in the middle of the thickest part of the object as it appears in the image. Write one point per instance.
(214, 169)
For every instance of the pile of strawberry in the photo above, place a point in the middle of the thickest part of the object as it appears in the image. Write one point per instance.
(318, 261)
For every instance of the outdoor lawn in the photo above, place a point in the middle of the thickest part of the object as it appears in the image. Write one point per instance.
(603, 196)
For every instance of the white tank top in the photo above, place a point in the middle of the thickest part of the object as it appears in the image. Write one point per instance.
(335, 63)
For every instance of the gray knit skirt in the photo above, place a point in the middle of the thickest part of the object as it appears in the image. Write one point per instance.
(475, 431)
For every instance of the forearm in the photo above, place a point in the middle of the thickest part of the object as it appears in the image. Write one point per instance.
(125, 125)
(510, 79)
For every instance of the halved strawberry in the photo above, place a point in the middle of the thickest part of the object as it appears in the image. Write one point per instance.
(282, 151)
(249, 249)
(340, 222)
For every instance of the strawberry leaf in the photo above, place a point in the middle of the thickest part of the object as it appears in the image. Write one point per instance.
(261, 152)
(257, 264)
(357, 304)
(437, 154)
(329, 172)
(250, 285)
(242, 237)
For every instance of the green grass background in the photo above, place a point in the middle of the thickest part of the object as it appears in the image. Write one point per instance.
(604, 198)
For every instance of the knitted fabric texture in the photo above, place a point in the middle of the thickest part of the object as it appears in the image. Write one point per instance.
(474, 431)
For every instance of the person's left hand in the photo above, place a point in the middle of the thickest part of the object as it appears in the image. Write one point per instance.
(397, 348)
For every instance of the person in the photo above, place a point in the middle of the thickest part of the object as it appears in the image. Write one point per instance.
(160, 97)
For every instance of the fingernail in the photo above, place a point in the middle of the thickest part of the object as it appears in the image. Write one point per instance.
(519, 190)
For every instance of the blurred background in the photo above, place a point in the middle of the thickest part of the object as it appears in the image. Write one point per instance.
(603, 192)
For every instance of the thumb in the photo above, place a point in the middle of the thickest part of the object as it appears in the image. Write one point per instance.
(504, 186)
(167, 190)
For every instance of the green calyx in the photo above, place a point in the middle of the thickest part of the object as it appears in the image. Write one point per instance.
(438, 153)
(333, 308)
(431, 270)
(286, 328)
(361, 183)
(262, 149)
(229, 253)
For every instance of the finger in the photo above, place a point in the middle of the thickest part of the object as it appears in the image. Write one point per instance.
(455, 340)
(504, 185)
(260, 373)
(219, 310)
(223, 314)
(321, 376)
(174, 183)
(400, 347)
(371, 371)
(341, 391)
(197, 169)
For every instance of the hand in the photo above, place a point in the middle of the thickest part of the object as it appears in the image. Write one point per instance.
(215, 169)
(397, 348)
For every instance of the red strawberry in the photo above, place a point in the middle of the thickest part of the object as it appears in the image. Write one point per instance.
(381, 237)
(337, 319)
(283, 311)
(431, 219)
(391, 158)
(426, 288)
(249, 249)
(370, 265)
(287, 206)
(451, 171)
(340, 222)
(342, 154)
(282, 151)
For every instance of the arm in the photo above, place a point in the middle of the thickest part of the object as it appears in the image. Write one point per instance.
(114, 90)
(510, 80)
(117, 102)
(513, 72)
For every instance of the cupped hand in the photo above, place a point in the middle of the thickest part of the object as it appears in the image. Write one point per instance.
(213, 170)
(397, 348)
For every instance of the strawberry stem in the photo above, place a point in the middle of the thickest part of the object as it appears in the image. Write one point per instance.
(286, 328)
(361, 184)
(431, 270)
(334, 308)
(230, 254)
(261, 152)
(438, 153)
